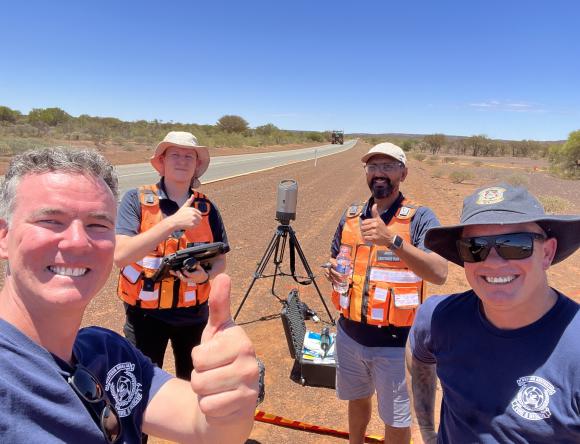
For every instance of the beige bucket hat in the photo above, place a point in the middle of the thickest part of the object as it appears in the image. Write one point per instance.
(181, 139)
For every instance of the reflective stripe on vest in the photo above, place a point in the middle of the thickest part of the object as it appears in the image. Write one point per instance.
(135, 286)
(384, 291)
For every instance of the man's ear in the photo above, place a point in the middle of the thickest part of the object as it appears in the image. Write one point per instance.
(3, 239)
(404, 174)
(550, 246)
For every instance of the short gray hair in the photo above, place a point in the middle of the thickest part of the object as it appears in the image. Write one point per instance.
(59, 159)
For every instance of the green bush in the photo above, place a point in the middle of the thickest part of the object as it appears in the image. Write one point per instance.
(419, 156)
(460, 176)
(232, 124)
(5, 149)
(518, 180)
(565, 159)
(14, 145)
(8, 115)
(554, 204)
(439, 172)
(48, 116)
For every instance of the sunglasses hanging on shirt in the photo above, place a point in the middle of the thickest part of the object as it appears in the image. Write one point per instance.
(91, 392)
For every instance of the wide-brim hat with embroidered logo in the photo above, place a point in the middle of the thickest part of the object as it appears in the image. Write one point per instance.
(181, 139)
(503, 205)
(387, 149)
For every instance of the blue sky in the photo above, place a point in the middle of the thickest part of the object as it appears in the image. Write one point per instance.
(507, 69)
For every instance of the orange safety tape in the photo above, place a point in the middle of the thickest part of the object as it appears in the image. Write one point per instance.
(262, 416)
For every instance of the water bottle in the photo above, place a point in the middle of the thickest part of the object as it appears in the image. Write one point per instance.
(344, 267)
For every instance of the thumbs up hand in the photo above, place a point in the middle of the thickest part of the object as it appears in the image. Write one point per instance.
(225, 377)
(186, 217)
(374, 230)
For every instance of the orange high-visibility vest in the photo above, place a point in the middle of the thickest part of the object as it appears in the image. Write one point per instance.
(135, 286)
(383, 290)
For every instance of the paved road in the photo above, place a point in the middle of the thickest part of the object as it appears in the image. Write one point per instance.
(223, 167)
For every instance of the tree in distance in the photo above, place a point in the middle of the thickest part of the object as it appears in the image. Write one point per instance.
(48, 116)
(266, 130)
(435, 142)
(8, 115)
(565, 159)
(232, 124)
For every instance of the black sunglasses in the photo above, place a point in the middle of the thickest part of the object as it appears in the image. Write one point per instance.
(91, 391)
(511, 246)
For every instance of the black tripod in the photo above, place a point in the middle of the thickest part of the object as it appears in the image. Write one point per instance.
(277, 247)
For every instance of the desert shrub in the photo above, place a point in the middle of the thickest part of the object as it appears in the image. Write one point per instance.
(565, 159)
(518, 180)
(315, 137)
(460, 176)
(554, 204)
(489, 174)
(5, 149)
(15, 145)
(8, 115)
(439, 172)
(430, 161)
(48, 116)
(419, 156)
(232, 124)
(477, 163)
(449, 159)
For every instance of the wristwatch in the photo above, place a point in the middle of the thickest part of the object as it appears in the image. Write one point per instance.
(261, 384)
(397, 243)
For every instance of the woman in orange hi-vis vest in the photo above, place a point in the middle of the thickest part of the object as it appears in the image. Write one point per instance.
(157, 220)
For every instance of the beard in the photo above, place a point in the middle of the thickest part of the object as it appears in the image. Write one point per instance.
(381, 190)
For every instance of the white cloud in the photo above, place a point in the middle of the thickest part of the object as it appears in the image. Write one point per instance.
(498, 105)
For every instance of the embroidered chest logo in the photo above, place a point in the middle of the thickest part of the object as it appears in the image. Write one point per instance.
(124, 388)
(533, 398)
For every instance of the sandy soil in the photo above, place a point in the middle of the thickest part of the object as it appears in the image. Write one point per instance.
(248, 207)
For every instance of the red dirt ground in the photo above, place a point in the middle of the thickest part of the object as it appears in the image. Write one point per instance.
(248, 206)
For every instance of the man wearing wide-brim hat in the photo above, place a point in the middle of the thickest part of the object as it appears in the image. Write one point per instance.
(155, 221)
(507, 351)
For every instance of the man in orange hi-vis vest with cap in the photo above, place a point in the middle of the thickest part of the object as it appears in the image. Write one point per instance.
(390, 265)
(155, 221)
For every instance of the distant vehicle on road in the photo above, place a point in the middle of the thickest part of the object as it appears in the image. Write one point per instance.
(337, 137)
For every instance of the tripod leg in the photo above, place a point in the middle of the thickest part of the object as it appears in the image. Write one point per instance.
(309, 271)
(272, 246)
(278, 258)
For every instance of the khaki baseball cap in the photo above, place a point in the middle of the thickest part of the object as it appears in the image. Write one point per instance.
(388, 149)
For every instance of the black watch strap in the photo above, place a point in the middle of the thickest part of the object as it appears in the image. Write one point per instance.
(261, 383)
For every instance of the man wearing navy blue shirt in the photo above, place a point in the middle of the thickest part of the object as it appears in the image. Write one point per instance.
(384, 237)
(506, 352)
(59, 384)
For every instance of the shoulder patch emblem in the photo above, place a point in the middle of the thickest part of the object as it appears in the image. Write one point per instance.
(533, 398)
(354, 210)
(123, 387)
(490, 196)
(404, 211)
